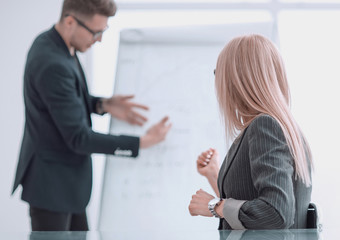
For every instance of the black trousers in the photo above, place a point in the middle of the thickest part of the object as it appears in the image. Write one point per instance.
(45, 220)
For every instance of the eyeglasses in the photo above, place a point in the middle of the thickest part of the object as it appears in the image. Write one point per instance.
(95, 35)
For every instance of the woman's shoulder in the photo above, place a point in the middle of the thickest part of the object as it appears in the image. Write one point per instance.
(264, 120)
(265, 123)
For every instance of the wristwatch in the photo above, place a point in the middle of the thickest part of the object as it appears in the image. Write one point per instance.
(212, 204)
(99, 107)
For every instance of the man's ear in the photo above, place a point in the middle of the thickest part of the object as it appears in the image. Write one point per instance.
(69, 22)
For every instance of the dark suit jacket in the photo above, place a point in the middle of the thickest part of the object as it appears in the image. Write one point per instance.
(54, 165)
(259, 170)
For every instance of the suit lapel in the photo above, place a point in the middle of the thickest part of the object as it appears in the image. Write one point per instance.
(229, 159)
(83, 86)
(57, 39)
(232, 152)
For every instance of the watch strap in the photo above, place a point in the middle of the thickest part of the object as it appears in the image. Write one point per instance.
(212, 209)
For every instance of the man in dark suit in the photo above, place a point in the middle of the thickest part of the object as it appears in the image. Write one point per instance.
(54, 167)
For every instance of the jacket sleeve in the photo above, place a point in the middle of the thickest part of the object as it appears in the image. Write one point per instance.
(56, 86)
(272, 173)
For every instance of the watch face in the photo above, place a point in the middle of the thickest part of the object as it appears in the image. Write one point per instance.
(214, 201)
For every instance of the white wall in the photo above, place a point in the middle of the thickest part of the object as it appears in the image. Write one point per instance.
(20, 22)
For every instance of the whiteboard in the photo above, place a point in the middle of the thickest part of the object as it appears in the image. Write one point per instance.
(171, 71)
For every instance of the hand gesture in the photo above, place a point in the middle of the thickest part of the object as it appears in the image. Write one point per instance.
(122, 108)
(155, 133)
(208, 163)
(199, 204)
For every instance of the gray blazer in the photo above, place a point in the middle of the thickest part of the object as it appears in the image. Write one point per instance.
(258, 180)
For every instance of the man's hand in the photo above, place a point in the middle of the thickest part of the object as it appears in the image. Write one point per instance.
(155, 133)
(122, 108)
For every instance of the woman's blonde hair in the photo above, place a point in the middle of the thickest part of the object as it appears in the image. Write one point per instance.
(250, 81)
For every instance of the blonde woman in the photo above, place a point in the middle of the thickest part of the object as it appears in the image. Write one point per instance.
(265, 179)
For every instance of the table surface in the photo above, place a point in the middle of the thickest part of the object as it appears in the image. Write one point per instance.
(294, 234)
